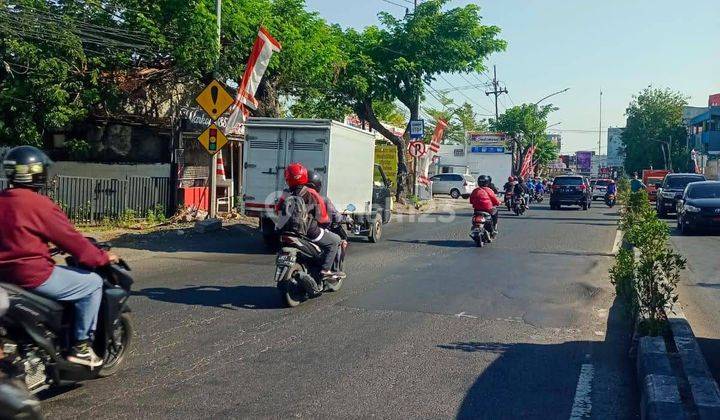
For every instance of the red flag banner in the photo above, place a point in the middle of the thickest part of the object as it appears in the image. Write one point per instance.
(263, 49)
(527, 163)
(438, 135)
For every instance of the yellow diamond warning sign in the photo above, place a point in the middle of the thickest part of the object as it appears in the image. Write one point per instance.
(214, 100)
(213, 139)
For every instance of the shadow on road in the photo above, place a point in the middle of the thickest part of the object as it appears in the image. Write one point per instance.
(711, 350)
(539, 381)
(233, 297)
(230, 240)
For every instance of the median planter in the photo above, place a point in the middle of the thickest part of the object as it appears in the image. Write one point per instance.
(674, 379)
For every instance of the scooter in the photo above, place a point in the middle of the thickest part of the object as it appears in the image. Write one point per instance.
(481, 227)
(518, 205)
(297, 270)
(37, 332)
(610, 200)
(508, 200)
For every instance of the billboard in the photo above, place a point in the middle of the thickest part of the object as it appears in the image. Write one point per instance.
(477, 138)
(714, 100)
(584, 161)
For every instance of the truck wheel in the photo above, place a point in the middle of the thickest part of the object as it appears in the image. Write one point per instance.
(375, 229)
(455, 193)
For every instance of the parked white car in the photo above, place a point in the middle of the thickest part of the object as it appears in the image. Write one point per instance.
(457, 185)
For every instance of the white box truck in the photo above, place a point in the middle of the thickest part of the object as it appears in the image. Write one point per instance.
(343, 154)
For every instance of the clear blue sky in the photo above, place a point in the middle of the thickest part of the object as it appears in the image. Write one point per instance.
(619, 46)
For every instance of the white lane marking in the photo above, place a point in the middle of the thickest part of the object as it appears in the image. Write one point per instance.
(464, 315)
(582, 407)
(618, 242)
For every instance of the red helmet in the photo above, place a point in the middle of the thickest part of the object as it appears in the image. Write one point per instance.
(296, 174)
(511, 179)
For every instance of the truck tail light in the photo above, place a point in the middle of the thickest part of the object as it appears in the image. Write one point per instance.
(582, 187)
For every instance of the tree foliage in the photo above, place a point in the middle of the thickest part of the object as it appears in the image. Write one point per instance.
(396, 60)
(654, 126)
(525, 126)
(65, 61)
(460, 118)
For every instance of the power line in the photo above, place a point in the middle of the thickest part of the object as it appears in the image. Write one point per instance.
(462, 93)
(395, 4)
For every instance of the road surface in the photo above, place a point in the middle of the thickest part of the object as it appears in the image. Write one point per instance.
(427, 326)
(699, 290)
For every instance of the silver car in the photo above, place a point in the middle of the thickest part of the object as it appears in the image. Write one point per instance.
(457, 185)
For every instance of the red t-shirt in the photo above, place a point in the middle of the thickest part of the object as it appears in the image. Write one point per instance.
(28, 222)
(483, 199)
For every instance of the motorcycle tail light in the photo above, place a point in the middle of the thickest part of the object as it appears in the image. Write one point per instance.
(582, 187)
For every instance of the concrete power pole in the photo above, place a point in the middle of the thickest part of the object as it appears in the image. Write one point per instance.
(212, 203)
(600, 127)
(496, 91)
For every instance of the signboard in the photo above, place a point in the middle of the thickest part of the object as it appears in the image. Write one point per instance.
(213, 139)
(714, 100)
(584, 161)
(487, 149)
(214, 100)
(416, 149)
(417, 129)
(478, 138)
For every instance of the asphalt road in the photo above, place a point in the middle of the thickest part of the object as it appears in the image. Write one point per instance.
(427, 326)
(699, 289)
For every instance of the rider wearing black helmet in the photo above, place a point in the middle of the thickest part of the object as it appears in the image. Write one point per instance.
(28, 222)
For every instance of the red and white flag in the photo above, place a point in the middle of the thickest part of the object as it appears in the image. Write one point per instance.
(527, 163)
(425, 161)
(263, 49)
(437, 136)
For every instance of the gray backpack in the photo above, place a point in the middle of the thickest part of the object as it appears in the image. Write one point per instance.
(294, 214)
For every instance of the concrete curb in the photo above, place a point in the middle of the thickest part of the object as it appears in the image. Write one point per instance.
(659, 392)
(704, 389)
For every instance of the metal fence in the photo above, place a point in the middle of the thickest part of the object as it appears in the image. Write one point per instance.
(90, 200)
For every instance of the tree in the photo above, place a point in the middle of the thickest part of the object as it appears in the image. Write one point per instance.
(396, 61)
(75, 59)
(525, 126)
(655, 133)
(460, 119)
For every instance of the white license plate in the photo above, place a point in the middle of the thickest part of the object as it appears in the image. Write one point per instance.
(285, 260)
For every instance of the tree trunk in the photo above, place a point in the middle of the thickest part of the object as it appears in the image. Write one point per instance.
(368, 114)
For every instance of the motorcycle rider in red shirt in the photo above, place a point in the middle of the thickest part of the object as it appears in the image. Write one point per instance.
(29, 221)
(483, 199)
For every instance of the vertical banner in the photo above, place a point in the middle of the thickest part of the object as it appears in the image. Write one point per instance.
(423, 163)
(263, 49)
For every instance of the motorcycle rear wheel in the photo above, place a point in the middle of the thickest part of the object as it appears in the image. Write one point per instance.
(293, 296)
(115, 354)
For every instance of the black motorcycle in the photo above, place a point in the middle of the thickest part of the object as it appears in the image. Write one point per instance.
(15, 400)
(518, 205)
(37, 333)
(481, 228)
(538, 196)
(297, 270)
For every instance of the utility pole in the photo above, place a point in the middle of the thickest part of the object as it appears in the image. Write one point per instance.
(213, 158)
(600, 127)
(496, 91)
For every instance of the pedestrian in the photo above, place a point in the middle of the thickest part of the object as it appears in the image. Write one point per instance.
(636, 184)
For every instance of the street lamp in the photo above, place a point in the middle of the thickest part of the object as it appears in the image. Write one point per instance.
(552, 94)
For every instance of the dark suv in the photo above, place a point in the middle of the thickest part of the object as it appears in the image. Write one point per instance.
(570, 190)
(671, 191)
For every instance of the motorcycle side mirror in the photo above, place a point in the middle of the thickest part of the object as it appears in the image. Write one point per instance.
(351, 208)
